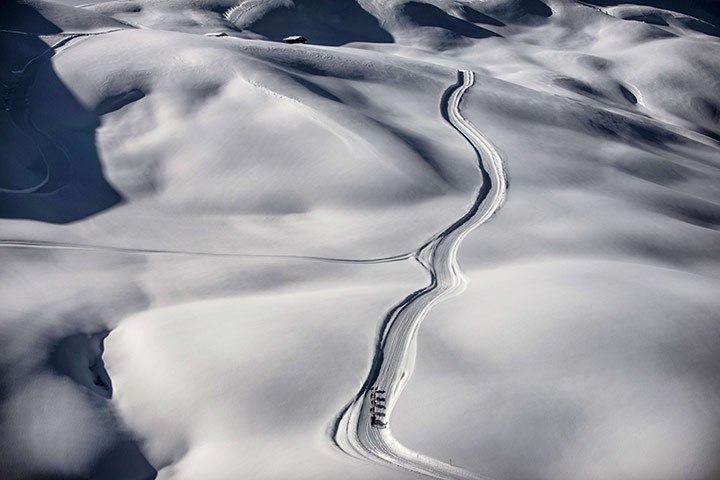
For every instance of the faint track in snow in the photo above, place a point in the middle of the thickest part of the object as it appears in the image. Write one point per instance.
(394, 359)
(190, 253)
(62, 34)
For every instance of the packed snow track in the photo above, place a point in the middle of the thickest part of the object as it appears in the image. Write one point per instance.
(355, 430)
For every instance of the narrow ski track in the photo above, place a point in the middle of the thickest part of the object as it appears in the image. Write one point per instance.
(352, 431)
(45, 245)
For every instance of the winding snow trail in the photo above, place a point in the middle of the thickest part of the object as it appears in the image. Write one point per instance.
(394, 360)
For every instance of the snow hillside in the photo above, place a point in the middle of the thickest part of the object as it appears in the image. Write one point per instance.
(454, 238)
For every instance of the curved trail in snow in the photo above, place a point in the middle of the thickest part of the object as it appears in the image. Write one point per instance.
(394, 359)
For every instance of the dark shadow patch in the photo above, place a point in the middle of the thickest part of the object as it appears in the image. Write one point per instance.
(322, 22)
(630, 131)
(648, 32)
(426, 15)
(51, 171)
(629, 96)
(18, 16)
(124, 461)
(520, 11)
(708, 110)
(577, 86)
(316, 89)
(690, 210)
(474, 16)
(116, 102)
(536, 8)
(709, 134)
(596, 63)
(699, 26)
(659, 19)
(651, 18)
(14, 159)
(706, 117)
(423, 148)
(706, 10)
(79, 357)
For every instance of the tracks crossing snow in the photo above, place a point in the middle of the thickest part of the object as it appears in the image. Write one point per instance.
(44, 245)
(394, 359)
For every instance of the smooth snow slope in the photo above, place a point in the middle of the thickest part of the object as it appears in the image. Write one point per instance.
(209, 241)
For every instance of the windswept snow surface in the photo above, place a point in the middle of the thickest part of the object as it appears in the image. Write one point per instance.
(214, 244)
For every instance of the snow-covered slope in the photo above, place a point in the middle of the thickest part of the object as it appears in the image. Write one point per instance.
(214, 244)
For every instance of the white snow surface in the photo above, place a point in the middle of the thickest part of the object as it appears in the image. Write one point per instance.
(213, 244)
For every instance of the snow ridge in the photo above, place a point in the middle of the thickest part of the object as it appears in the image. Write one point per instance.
(353, 431)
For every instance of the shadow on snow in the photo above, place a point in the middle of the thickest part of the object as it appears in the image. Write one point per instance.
(50, 170)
